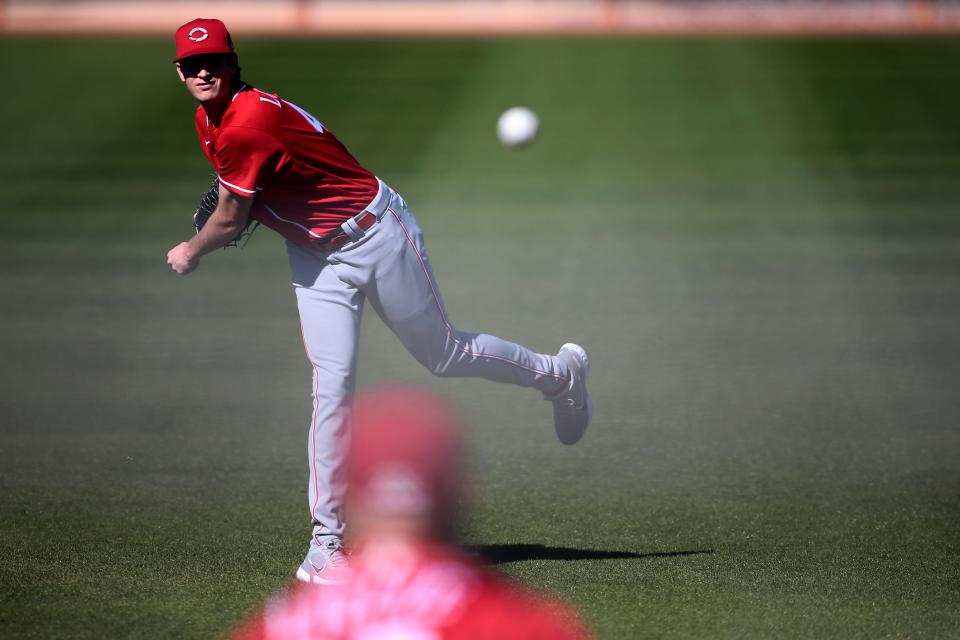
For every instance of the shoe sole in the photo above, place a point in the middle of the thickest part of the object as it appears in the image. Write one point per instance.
(581, 354)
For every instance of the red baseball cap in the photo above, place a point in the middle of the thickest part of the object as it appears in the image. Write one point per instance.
(202, 35)
(405, 453)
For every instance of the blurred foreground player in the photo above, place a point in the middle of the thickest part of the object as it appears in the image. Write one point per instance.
(350, 238)
(407, 581)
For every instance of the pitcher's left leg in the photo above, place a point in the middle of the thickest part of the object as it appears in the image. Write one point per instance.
(405, 294)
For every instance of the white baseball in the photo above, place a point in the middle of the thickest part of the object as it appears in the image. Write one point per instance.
(517, 126)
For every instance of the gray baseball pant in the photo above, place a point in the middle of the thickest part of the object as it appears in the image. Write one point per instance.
(388, 266)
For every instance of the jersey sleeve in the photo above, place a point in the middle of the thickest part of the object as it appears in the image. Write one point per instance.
(248, 159)
(501, 608)
(555, 621)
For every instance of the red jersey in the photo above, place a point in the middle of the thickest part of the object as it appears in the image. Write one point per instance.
(303, 180)
(433, 595)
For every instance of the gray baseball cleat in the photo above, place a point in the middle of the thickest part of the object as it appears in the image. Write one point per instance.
(572, 407)
(325, 564)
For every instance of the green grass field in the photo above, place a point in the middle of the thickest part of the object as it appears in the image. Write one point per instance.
(757, 240)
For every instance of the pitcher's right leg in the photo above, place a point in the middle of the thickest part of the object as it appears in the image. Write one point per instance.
(408, 299)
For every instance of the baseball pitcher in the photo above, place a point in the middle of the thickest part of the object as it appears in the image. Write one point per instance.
(350, 239)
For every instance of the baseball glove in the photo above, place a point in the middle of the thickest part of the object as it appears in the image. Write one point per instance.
(206, 207)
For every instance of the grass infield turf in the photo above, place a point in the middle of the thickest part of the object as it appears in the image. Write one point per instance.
(756, 240)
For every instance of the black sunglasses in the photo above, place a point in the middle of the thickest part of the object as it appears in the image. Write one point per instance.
(212, 62)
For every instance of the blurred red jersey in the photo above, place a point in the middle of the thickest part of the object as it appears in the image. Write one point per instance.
(425, 594)
(304, 180)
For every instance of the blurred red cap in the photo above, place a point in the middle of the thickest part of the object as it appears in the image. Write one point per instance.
(405, 452)
(202, 35)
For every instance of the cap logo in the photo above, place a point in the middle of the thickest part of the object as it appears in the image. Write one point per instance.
(197, 34)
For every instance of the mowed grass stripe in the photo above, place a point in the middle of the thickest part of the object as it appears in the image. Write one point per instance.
(755, 239)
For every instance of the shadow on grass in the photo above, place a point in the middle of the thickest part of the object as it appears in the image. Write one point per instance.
(504, 553)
